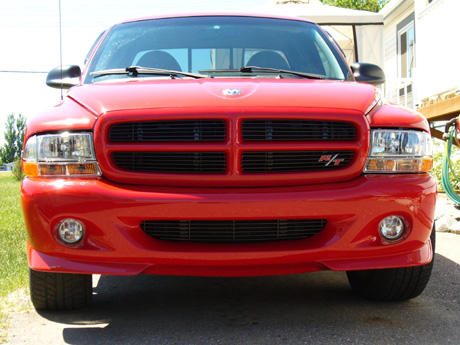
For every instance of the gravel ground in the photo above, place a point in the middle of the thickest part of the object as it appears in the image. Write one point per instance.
(315, 308)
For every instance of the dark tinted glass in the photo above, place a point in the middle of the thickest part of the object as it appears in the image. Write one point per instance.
(194, 44)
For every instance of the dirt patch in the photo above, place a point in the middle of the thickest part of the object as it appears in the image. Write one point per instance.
(17, 302)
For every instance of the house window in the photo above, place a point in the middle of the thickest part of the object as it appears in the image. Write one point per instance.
(406, 43)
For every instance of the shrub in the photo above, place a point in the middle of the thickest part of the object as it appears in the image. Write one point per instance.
(437, 168)
(17, 171)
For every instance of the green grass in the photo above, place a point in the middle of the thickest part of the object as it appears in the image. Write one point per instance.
(13, 259)
(13, 268)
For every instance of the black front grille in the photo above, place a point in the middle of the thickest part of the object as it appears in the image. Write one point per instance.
(293, 129)
(294, 161)
(171, 162)
(228, 231)
(169, 131)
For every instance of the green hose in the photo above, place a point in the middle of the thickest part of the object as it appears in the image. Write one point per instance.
(447, 166)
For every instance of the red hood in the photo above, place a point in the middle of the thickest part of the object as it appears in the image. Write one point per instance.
(186, 93)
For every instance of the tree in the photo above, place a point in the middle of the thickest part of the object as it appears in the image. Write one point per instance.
(367, 5)
(8, 151)
(20, 130)
(14, 138)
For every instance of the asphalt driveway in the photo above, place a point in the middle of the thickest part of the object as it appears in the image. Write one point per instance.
(315, 308)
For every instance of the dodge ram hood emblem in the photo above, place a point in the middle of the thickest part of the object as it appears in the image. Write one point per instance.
(231, 92)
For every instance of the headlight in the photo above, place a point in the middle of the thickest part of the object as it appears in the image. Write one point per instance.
(394, 151)
(60, 155)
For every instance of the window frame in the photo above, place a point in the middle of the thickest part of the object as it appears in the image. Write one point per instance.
(408, 65)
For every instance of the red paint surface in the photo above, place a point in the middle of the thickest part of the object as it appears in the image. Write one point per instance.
(115, 244)
(113, 206)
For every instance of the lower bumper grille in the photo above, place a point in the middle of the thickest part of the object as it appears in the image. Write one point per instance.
(232, 231)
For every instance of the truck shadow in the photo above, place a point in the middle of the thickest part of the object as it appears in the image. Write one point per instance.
(306, 308)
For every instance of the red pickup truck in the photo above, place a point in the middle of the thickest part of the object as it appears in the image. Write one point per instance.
(225, 145)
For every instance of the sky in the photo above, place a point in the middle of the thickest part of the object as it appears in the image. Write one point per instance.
(29, 41)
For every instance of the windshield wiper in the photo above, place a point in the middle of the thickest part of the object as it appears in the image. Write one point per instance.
(256, 69)
(134, 71)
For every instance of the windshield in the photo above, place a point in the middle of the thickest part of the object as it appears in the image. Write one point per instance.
(217, 46)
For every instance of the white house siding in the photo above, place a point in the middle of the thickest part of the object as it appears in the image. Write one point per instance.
(397, 12)
(438, 46)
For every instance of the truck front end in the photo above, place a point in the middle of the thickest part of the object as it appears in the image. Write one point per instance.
(190, 148)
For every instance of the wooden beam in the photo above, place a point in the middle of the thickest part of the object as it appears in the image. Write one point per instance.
(447, 117)
(442, 110)
(438, 134)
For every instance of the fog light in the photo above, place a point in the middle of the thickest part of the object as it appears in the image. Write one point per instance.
(392, 227)
(71, 231)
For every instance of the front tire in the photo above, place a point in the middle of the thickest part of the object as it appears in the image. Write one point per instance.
(60, 291)
(393, 284)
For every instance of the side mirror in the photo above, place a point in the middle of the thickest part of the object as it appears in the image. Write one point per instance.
(368, 73)
(63, 77)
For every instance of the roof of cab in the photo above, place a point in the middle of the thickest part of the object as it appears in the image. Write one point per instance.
(217, 14)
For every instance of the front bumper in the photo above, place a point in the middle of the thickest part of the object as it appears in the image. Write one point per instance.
(115, 244)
